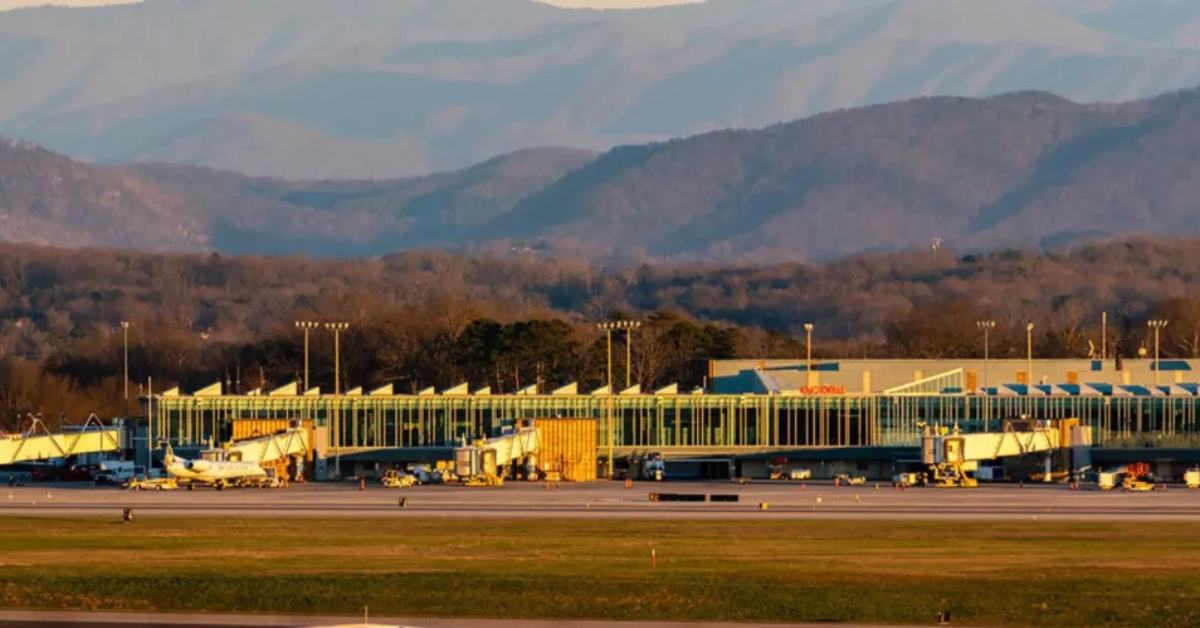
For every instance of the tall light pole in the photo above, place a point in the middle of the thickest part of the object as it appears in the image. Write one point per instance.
(306, 326)
(125, 334)
(337, 329)
(629, 327)
(1029, 354)
(987, 327)
(808, 327)
(1104, 336)
(608, 328)
(1157, 326)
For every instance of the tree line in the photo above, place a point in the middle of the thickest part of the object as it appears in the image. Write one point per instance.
(421, 318)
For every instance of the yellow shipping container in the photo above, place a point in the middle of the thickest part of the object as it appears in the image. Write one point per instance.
(568, 447)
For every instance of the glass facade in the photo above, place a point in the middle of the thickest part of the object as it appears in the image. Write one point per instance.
(716, 423)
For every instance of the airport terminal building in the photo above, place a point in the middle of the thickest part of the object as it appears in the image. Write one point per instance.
(865, 415)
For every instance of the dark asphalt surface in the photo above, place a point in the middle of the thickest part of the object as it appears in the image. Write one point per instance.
(607, 500)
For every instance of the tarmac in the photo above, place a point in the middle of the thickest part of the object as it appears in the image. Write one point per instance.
(611, 500)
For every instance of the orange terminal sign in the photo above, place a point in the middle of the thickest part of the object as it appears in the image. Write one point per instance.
(822, 390)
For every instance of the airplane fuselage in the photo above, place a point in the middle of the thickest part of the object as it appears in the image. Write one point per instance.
(214, 471)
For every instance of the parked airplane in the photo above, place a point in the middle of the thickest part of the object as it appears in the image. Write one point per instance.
(218, 473)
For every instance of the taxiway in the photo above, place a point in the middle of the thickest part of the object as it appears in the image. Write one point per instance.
(607, 500)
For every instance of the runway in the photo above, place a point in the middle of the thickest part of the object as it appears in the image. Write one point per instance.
(608, 500)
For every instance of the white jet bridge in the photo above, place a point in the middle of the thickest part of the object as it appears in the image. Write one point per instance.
(486, 456)
(950, 455)
(38, 443)
(264, 450)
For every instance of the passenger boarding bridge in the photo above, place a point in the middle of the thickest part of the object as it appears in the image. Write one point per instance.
(38, 443)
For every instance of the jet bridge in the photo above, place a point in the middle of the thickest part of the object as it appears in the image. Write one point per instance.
(485, 457)
(281, 446)
(38, 443)
(950, 455)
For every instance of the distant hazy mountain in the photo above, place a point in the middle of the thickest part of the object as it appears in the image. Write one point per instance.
(46, 198)
(358, 218)
(320, 88)
(1017, 170)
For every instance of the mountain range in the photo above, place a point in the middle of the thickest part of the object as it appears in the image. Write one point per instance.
(1016, 170)
(402, 88)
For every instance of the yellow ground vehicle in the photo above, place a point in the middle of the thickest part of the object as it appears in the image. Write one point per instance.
(393, 478)
(776, 470)
(480, 481)
(1129, 476)
(851, 480)
(1191, 478)
(1107, 480)
(952, 476)
(1132, 485)
(909, 479)
(150, 484)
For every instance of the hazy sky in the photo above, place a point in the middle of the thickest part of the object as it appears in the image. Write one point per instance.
(17, 4)
(616, 4)
(574, 4)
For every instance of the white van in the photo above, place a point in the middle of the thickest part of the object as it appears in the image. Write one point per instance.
(117, 472)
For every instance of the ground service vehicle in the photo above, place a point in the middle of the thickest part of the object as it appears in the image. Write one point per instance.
(1191, 478)
(1107, 480)
(1132, 485)
(851, 480)
(801, 474)
(480, 481)
(270, 480)
(119, 474)
(425, 475)
(1130, 477)
(655, 469)
(952, 476)
(778, 471)
(150, 484)
(394, 478)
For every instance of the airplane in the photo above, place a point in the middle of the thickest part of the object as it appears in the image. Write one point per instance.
(218, 473)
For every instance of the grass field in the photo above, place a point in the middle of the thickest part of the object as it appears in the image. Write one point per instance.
(999, 574)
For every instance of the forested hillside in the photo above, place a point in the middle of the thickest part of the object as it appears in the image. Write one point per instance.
(46, 198)
(431, 318)
(1019, 170)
